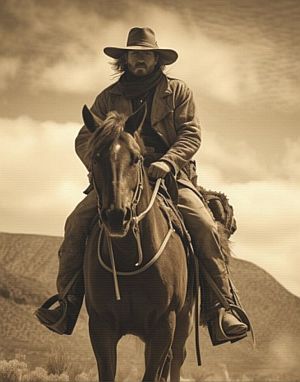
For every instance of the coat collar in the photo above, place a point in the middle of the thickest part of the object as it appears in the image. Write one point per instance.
(162, 104)
(163, 88)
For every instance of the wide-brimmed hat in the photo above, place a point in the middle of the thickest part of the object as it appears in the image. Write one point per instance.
(143, 39)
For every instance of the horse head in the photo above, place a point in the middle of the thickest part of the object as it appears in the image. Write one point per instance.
(115, 154)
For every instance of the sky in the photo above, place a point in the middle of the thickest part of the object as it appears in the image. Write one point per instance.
(239, 57)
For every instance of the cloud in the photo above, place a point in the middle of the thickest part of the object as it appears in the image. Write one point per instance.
(268, 216)
(289, 165)
(216, 68)
(222, 160)
(43, 176)
(75, 75)
(266, 201)
(8, 70)
(65, 41)
(221, 72)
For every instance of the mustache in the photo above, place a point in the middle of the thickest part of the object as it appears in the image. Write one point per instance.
(140, 65)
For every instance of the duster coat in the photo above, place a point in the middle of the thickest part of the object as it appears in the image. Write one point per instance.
(172, 117)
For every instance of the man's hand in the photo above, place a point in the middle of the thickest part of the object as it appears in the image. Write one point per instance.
(158, 169)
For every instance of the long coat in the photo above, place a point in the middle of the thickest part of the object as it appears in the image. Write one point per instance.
(172, 116)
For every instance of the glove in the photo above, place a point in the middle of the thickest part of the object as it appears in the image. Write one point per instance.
(158, 169)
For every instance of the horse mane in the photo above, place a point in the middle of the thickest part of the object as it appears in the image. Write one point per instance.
(110, 131)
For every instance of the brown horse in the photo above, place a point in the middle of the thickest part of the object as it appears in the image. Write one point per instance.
(135, 265)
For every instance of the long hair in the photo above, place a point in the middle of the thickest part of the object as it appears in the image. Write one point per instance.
(119, 66)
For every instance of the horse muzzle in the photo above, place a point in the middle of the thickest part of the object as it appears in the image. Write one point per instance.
(116, 221)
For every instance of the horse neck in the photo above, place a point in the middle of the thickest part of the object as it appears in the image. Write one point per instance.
(152, 225)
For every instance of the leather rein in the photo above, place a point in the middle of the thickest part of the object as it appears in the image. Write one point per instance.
(135, 220)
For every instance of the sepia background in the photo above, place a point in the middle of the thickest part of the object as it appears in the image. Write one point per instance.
(241, 60)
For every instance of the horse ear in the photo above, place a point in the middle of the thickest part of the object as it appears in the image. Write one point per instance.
(91, 121)
(136, 120)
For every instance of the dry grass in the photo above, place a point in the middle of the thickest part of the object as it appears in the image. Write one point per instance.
(59, 369)
(18, 371)
(58, 363)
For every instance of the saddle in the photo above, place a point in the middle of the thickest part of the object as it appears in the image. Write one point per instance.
(218, 204)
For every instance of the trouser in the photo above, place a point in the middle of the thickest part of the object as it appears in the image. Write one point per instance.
(72, 249)
(206, 243)
(198, 221)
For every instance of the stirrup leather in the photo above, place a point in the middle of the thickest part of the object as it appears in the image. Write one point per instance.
(217, 334)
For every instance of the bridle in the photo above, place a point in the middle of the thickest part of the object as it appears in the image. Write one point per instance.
(135, 220)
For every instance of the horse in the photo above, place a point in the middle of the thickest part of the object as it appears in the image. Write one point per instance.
(135, 266)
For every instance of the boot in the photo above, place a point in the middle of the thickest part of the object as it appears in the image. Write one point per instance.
(226, 320)
(62, 319)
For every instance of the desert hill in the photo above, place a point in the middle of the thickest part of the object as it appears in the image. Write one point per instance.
(28, 265)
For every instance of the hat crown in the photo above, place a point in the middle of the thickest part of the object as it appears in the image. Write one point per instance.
(142, 37)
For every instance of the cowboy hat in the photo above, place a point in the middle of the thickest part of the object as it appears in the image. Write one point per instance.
(142, 39)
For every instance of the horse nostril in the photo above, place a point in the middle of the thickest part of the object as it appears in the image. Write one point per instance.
(114, 216)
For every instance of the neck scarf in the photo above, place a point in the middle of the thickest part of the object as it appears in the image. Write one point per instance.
(134, 87)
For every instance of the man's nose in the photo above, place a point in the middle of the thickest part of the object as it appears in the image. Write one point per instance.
(140, 56)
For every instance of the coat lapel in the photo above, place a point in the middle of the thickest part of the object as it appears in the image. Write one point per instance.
(162, 102)
(119, 102)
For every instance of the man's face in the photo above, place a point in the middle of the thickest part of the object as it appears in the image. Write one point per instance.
(141, 62)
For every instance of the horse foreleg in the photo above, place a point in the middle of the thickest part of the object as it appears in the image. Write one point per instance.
(104, 342)
(183, 329)
(158, 346)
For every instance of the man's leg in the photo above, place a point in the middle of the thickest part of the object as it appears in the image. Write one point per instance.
(205, 239)
(72, 248)
(70, 275)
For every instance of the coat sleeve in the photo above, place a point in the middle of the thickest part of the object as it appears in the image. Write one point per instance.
(99, 108)
(187, 128)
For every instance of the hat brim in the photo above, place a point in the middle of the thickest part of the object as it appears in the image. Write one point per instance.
(167, 56)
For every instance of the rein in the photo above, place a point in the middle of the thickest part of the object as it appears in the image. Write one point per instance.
(136, 219)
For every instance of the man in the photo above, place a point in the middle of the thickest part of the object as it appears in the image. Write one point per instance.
(171, 135)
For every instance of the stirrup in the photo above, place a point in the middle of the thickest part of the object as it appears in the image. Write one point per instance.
(216, 331)
(60, 326)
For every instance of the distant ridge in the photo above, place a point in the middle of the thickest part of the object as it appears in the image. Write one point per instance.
(28, 267)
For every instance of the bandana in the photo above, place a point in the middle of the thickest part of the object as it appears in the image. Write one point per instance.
(134, 87)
